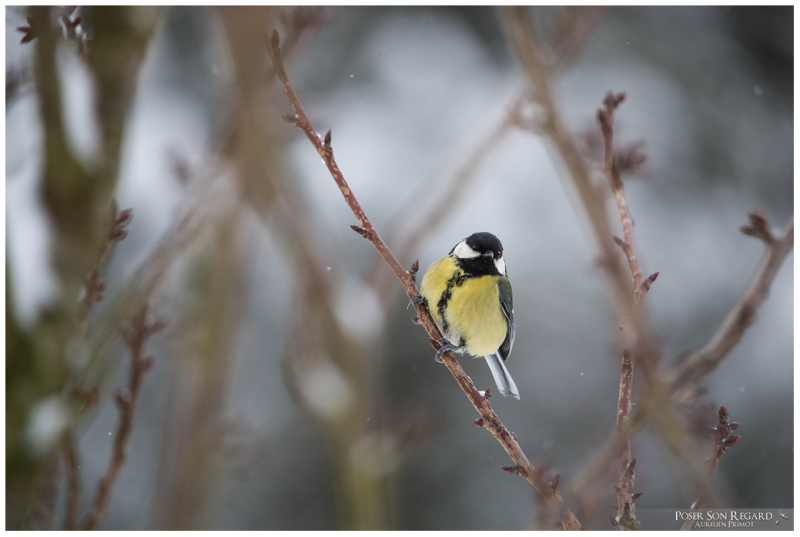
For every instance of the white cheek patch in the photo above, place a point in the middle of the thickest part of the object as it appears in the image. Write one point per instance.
(463, 251)
(500, 264)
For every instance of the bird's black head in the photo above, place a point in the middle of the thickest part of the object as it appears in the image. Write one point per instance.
(479, 254)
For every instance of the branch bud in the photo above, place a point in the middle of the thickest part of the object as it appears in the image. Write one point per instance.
(125, 217)
(292, 119)
(147, 363)
(122, 398)
(730, 441)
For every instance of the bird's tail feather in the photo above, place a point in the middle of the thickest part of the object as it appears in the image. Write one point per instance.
(501, 376)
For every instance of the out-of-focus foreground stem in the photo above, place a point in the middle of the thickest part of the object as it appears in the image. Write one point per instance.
(76, 200)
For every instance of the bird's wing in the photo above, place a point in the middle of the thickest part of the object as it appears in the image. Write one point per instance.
(508, 310)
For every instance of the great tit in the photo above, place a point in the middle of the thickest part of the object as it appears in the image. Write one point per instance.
(469, 298)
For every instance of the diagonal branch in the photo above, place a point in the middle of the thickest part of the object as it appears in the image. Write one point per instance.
(488, 419)
(705, 359)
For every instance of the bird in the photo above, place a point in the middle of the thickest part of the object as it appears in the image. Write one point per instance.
(468, 295)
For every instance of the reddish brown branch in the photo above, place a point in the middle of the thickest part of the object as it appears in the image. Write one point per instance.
(135, 335)
(490, 421)
(722, 441)
(631, 331)
(703, 360)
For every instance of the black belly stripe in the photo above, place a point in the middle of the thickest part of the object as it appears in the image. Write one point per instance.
(456, 281)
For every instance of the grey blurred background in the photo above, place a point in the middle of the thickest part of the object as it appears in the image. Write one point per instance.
(252, 420)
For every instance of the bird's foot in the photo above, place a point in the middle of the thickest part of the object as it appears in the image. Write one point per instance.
(417, 299)
(447, 347)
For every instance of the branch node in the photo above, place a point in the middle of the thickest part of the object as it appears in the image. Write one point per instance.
(731, 441)
(758, 227)
(122, 398)
(412, 273)
(292, 119)
(649, 281)
(519, 470)
(327, 142)
(274, 42)
(621, 243)
(556, 481)
(147, 363)
(488, 393)
(478, 422)
(369, 235)
(612, 100)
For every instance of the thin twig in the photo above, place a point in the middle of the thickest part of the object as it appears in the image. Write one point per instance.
(73, 482)
(488, 419)
(626, 513)
(722, 441)
(135, 335)
(705, 359)
(94, 286)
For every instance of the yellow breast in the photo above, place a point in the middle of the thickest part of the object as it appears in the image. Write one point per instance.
(471, 313)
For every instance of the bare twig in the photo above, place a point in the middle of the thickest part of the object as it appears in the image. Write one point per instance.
(490, 421)
(626, 514)
(605, 117)
(135, 335)
(705, 359)
(94, 286)
(72, 457)
(722, 441)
